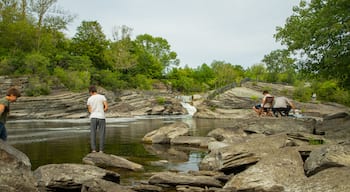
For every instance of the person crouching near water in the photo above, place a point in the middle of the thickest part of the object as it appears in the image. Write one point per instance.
(97, 106)
(282, 106)
(257, 108)
(11, 96)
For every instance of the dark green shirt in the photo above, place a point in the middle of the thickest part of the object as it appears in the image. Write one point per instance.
(3, 115)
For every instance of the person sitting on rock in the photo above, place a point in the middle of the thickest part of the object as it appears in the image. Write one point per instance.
(282, 106)
(257, 108)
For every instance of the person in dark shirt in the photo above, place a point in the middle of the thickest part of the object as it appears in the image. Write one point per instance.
(11, 96)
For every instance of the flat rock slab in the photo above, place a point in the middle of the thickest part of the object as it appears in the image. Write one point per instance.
(59, 177)
(192, 141)
(174, 179)
(104, 160)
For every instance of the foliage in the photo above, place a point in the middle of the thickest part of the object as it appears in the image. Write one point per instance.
(111, 80)
(256, 72)
(32, 43)
(36, 64)
(74, 80)
(158, 50)
(160, 100)
(319, 33)
(279, 67)
(141, 81)
(37, 87)
(329, 90)
(91, 41)
(301, 92)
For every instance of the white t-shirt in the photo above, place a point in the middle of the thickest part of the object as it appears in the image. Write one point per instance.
(97, 107)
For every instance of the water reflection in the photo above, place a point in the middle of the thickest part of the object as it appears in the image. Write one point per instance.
(67, 141)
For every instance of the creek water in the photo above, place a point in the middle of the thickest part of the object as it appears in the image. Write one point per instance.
(67, 141)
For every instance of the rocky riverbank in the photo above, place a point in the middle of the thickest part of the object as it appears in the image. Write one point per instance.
(268, 154)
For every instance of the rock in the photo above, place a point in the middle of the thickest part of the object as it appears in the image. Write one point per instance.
(228, 135)
(60, 177)
(147, 188)
(334, 179)
(275, 172)
(173, 179)
(335, 129)
(171, 106)
(165, 134)
(336, 116)
(10, 156)
(327, 157)
(250, 151)
(104, 160)
(192, 141)
(170, 153)
(15, 170)
(99, 185)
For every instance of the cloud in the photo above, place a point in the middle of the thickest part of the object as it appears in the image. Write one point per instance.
(200, 31)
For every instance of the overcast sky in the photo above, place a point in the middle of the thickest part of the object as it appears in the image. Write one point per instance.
(239, 32)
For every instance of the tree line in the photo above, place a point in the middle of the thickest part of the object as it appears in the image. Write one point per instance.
(33, 43)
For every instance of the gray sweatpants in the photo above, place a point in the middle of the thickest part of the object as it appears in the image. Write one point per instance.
(99, 124)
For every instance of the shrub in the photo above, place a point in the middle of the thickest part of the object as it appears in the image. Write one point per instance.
(37, 87)
(73, 80)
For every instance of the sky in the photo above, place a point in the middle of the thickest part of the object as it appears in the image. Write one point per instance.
(239, 32)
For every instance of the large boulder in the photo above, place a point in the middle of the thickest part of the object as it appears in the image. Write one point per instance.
(164, 134)
(277, 171)
(70, 177)
(235, 156)
(334, 179)
(15, 170)
(327, 157)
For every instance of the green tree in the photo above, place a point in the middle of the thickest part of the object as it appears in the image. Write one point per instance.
(91, 41)
(157, 52)
(256, 71)
(204, 75)
(279, 66)
(181, 79)
(319, 32)
(122, 52)
(36, 64)
(226, 73)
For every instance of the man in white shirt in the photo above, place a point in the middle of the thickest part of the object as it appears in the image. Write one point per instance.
(97, 106)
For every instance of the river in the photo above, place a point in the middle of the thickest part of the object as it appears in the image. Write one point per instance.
(67, 141)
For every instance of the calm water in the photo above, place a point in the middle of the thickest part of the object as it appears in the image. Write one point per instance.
(67, 141)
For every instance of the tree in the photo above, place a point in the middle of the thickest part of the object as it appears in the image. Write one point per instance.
(256, 71)
(122, 52)
(205, 75)
(91, 41)
(225, 73)
(279, 66)
(159, 50)
(319, 33)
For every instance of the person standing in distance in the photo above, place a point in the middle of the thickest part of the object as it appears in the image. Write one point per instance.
(97, 106)
(11, 96)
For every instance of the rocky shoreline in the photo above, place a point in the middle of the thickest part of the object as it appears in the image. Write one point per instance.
(267, 154)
